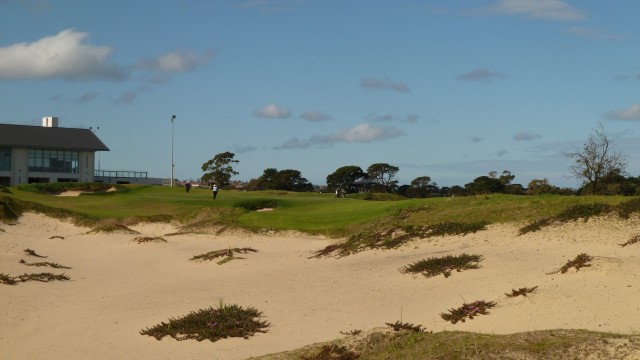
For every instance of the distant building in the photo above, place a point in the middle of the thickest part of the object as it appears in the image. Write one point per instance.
(47, 153)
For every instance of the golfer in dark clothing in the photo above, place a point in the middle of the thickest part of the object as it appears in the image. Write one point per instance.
(187, 186)
(215, 191)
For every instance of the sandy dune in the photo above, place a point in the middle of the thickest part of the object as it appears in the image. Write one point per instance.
(119, 287)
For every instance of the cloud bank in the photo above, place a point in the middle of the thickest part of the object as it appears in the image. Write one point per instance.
(272, 111)
(540, 9)
(360, 133)
(631, 113)
(65, 56)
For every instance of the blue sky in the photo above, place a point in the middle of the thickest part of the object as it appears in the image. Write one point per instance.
(446, 89)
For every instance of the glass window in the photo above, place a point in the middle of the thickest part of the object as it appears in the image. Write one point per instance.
(5, 159)
(49, 160)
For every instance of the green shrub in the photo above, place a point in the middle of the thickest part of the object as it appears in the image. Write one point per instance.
(468, 311)
(443, 265)
(211, 324)
(580, 261)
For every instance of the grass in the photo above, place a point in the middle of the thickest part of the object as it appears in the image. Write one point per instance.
(211, 324)
(390, 233)
(458, 345)
(443, 265)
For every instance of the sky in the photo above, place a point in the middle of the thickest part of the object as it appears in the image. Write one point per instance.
(447, 89)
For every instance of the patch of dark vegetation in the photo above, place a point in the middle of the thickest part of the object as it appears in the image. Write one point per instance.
(468, 311)
(393, 237)
(148, 239)
(352, 332)
(631, 241)
(333, 352)
(580, 261)
(7, 280)
(458, 345)
(521, 292)
(382, 197)
(42, 277)
(228, 254)
(113, 228)
(34, 253)
(209, 220)
(4, 189)
(585, 212)
(12, 208)
(257, 204)
(46, 263)
(399, 325)
(56, 237)
(211, 324)
(443, 265)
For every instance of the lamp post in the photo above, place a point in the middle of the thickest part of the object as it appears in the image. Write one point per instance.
(173, 117)
(95, 131)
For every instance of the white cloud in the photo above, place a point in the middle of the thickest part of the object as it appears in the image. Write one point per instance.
(176, 62)
(631, 113)
(315, 116)
(523, 135)
(482, 75)
(357, 134)
(384, 84)
(62, 56)
(273, 111)
(540, 9)
(126, 98)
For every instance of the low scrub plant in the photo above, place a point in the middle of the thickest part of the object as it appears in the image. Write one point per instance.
(585, 212)
(521, 292)
(333, 352)
(352, 332)
(148, 239)
(395, 236)
(42, 277)
(631, 241)
(443, 265)
(113, 228)
(211, 324)
(228, 254)
(257, 204)
(33, 253)
(580, 261)
(45, 263)
(468, 311)
(399, 325)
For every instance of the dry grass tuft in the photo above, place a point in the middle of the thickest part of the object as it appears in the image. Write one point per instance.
(521, 292)
(580, 261)
(468, 311)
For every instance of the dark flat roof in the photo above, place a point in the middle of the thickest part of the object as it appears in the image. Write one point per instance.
(49, 137)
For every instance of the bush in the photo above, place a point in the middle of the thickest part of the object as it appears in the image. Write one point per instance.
(444, 265)
(211, 324)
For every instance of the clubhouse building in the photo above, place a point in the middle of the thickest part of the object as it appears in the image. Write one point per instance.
(47, 153)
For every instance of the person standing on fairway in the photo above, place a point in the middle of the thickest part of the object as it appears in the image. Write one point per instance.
(215, 191)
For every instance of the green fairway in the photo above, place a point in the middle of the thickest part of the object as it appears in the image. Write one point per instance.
(308, 212)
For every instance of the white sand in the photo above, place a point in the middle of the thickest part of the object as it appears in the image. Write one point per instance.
(119, 288)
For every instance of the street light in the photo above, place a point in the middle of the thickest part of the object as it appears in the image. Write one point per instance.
(94, 131)
(173, 117)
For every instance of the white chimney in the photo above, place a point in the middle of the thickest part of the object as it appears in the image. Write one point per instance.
(50, 121)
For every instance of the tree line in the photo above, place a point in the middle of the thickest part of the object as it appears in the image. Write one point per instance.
(601, 169)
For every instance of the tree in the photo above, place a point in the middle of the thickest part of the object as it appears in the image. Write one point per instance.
(219, 170)
(289, 180)
(484, 185)
(344, 177)
(597, 161)
(421, 187)
(384, 174)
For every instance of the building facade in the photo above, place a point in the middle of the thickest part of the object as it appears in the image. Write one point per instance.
(47, 153)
